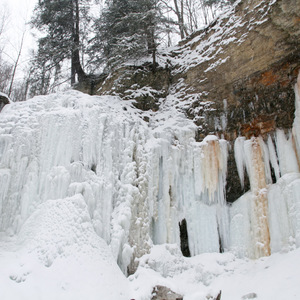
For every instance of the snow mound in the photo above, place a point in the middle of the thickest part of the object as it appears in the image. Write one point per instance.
(58, 255)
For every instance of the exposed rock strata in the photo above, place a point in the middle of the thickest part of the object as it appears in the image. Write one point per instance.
(251, 60)
(238, 73)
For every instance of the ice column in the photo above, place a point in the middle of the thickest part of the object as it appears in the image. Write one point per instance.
(207, 216)
(296, 125)
(213, 170)
(256, 170)
(251, 210)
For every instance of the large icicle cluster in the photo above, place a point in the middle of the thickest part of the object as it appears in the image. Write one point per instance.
(267, 218)
(138, 183)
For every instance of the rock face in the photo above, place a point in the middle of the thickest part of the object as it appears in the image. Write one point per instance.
(164, 293)
(233, 78)
(3, 100)
(140, 83)
(251, 63)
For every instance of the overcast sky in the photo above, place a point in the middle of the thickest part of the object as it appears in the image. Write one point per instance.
(19, 12)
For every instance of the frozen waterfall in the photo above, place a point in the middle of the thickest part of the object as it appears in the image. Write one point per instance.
(138, 182)
(145, 183)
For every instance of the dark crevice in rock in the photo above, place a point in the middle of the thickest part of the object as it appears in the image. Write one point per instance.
(184, 238)
(94, 167)
(221, 248)
(274, 180)
(234, 189)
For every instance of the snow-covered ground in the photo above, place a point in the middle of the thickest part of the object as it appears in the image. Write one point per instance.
(197, 278)
(84, 270)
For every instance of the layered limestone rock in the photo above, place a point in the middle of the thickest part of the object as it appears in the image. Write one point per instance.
(251, 60)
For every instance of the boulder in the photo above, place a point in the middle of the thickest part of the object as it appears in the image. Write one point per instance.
(3, 100)
(163, 293)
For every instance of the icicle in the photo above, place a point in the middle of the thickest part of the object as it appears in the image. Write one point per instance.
(266, 159)
(240, 226)
(286, 153)
(202, 228)
(284, 213)
(296, 125)
(214, 168)
(239, 156)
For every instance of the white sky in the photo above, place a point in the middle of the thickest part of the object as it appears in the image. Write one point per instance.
(19, 13)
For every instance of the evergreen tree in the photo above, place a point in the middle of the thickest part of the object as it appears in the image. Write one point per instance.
(59, 21)
(127, 29)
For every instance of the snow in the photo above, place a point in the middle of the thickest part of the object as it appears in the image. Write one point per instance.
(204, 276)
(58, 255)
(3, 95)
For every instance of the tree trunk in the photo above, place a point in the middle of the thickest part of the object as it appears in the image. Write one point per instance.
(16, 65)
(76, 67)
(152, 46)
(179, 14)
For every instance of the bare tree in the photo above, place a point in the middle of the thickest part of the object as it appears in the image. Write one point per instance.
(5, 68)
(192, 14)
(16, 64)
(177, 8)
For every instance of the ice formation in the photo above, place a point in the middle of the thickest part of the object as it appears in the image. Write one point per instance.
(140, 181)
(266, 219)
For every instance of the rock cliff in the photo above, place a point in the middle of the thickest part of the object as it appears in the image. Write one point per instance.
(233, 78)
(243, 68)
